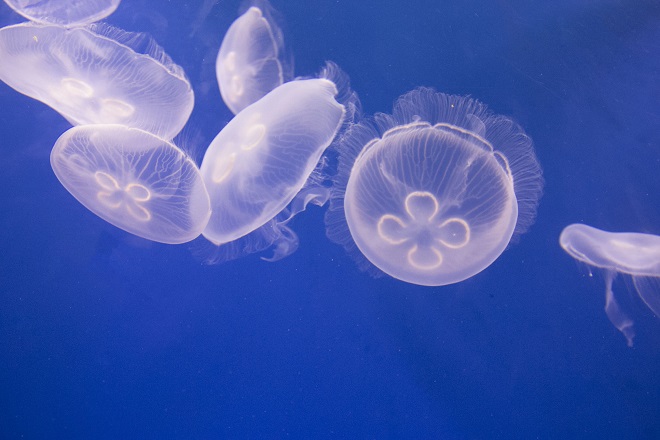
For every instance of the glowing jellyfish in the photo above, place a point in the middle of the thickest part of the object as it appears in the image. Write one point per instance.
(91, 76)
(260, 161)
(433, 194)
(64, 12)
(629, 253)
(251, 61)
(133, 180)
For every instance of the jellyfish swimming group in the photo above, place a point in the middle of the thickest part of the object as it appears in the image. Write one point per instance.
(430, 194)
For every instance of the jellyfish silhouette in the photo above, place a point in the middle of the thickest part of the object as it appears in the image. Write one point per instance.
(252, 59)
(433, 194)
(92, 76)
(133, 180)
(64, 12)
(634, 254)
(264, 157)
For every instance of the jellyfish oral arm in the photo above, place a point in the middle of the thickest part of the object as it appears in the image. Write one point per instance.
(616, 316)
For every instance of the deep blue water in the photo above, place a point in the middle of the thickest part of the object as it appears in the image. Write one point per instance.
(105, 335)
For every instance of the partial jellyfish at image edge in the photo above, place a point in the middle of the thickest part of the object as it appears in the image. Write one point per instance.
(629, 253)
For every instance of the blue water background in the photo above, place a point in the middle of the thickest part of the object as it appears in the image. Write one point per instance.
(105, 335)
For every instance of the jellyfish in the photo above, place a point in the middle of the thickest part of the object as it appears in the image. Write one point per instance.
(264, 157)
(134, 180)
(64, 12)
(92, 76)
(434, 193)
(634, 254)
(252, 60)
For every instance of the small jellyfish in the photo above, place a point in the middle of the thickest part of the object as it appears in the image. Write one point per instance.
(133, 180)
(634, 254)
(64, 12)
(91, 76)
(252, 60)
(434, 193)
(262, 159)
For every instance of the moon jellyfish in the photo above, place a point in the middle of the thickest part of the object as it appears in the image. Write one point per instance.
(251, 61)
(629, 253)
(434, 193)
(64, 12)
(262, 159)
(133, 180)
(91, 76)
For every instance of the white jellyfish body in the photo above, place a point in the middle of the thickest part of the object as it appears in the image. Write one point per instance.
(251, 60)
(427, 200)
(133, 180)
(91, 77)
(634, 254)
(64, 12)
(259, 162)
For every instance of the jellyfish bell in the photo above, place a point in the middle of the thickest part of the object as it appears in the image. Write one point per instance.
(252, 59)
(434, 193)
(264, 157)
(64, 12)
(92, 75)
(634, 254)
(625, 252)
(134, 180)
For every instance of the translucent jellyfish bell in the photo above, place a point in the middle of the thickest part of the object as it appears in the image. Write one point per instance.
(252, 59)
(634, 254)
(133, 180)
(91, 76)
(64, 12)
(433, 194)
(260, 161)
